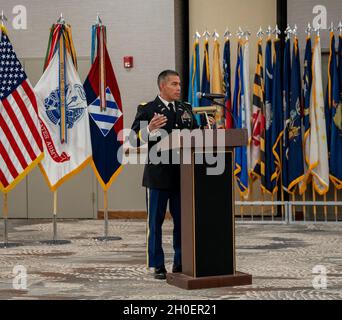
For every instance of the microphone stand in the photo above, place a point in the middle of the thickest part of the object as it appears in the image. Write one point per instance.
(225, 108)
(208, 122)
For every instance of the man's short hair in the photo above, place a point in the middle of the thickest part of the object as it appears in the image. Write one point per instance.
(166, 73)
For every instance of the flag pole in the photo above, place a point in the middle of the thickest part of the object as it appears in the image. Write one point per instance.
(325, 209)
(55, 216)
(314, 200)
(293, 207)
(250, 195)
(3, 18)
(6, 244)
(281, 181)
(241, 207)
(5, 220)
(262, 207)
(55, 240)
(105, 205)
(272, 207)
(106, 237)
(282, 191)
(335, 199)
(304, 206)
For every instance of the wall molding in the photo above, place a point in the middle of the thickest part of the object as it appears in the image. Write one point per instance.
(127, 215)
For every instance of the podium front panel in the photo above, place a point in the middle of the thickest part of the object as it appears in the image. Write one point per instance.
(213, 215)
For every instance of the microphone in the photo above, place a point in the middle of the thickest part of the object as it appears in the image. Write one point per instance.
(210, 96)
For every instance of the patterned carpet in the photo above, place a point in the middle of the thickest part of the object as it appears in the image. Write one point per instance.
(281, 259)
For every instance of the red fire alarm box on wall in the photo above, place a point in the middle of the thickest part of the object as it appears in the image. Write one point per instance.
(128, 62)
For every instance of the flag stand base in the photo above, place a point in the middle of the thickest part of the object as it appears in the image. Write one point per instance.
(6, 244)
(105, 239)
(10, 245)
(55, 242)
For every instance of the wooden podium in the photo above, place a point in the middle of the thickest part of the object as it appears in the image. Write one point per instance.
(207, 208)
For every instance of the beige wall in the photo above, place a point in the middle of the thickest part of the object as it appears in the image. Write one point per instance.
(142, 29)
(220, 14)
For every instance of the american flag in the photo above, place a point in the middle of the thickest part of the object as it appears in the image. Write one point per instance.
(20, 139)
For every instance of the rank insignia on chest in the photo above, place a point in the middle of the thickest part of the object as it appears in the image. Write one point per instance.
(186, 116)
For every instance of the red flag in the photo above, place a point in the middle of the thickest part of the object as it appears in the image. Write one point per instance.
(106, 115)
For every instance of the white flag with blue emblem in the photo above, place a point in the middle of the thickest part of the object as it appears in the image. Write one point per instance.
(64, 155)
(318, 146)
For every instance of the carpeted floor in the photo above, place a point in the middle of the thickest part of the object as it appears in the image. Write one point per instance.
(280, 258)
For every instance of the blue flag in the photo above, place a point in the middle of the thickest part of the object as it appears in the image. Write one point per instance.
(286, 110)
(307, 84)
(241, 166)
(307, 81)
(277, 112)
(205, 88)
(194, 79)
(340, 62)
(335, 128)
(294, 125)
(329, 92)
(267, 183)
(237, 82)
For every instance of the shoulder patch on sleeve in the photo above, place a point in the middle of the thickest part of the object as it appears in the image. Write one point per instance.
(143, 103)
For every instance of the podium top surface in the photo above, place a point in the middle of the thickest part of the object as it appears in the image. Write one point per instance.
(208, 138)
